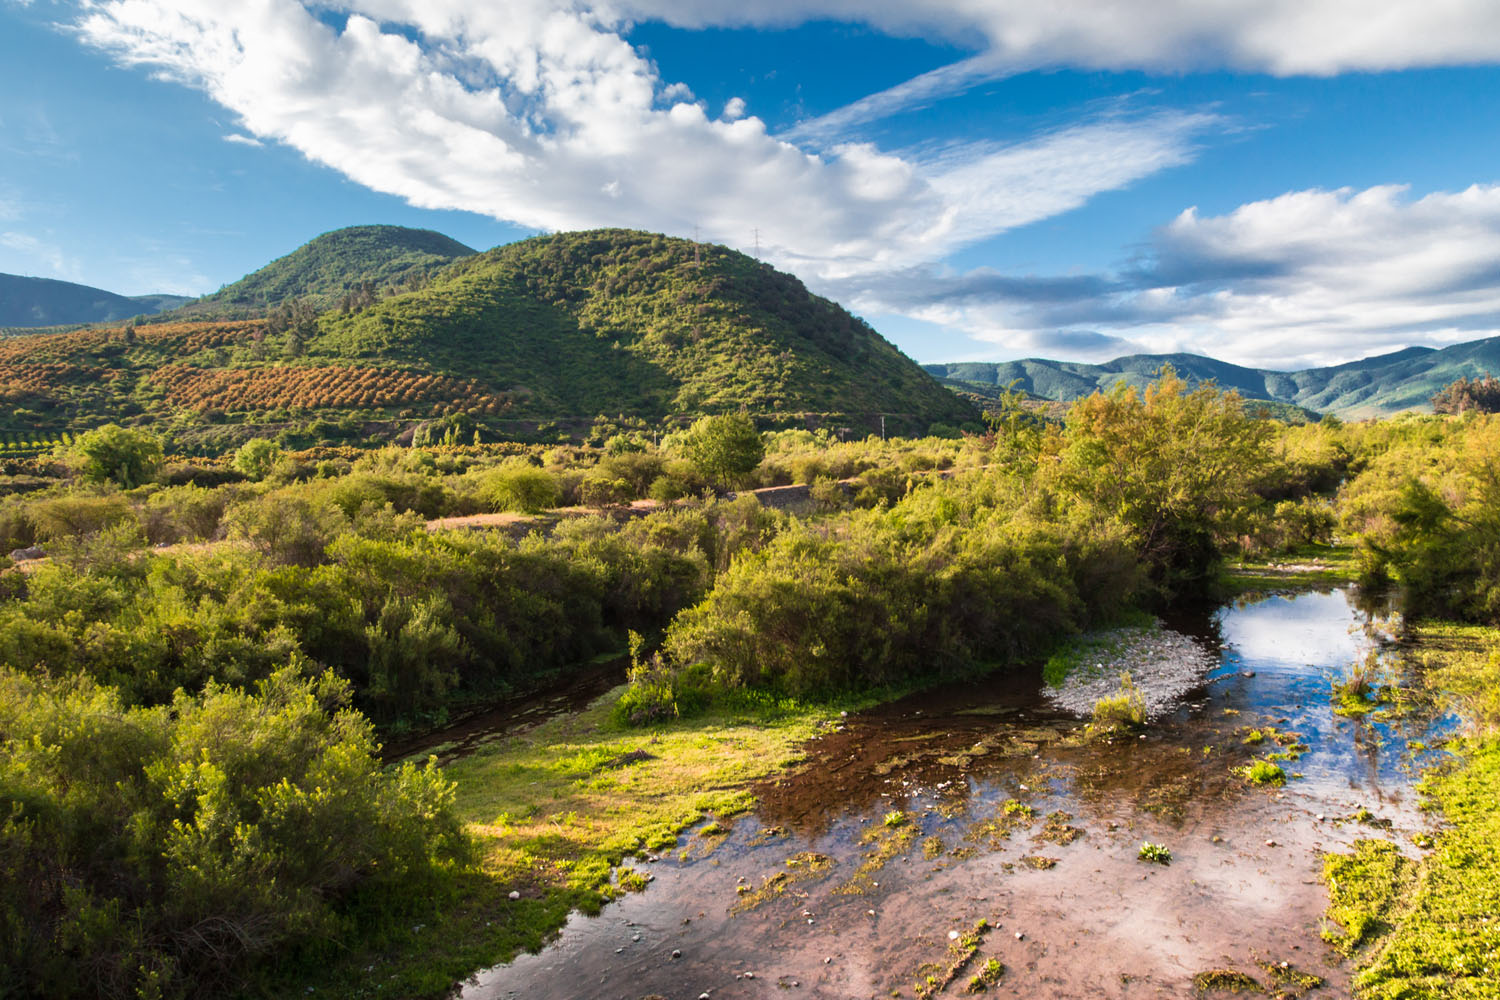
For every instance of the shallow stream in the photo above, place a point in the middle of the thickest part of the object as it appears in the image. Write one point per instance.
(867, 868)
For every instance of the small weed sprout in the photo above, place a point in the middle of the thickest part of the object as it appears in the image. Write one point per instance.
(895, 818)
(1157, 854)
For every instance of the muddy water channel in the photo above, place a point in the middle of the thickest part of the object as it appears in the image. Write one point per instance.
(923, 839)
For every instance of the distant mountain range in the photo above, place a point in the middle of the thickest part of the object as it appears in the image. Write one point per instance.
(28, 302)
(1372, 387)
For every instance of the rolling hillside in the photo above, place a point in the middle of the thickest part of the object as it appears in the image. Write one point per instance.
(327, 267)
(562, 328)
(1375, 386)
(30, 302)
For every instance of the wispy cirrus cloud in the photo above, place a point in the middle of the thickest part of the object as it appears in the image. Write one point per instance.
(38, 257)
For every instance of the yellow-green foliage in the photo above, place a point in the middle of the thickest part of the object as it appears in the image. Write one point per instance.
(167, 851)
(1427, 512)
(1430, 925)
(1124, 710)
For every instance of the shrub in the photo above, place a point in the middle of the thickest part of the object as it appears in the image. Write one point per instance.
(116, 454)
(73, 515)
(257, 457)
(291, 530)
(725, 448)
(168, 851)
(520, 487)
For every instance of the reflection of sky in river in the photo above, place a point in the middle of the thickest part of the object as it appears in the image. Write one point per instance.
(1297, 647)
(1296, 632)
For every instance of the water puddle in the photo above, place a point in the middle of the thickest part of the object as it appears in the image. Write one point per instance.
(924, 838)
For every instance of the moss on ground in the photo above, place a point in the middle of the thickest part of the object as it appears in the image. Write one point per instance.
(1431, 928)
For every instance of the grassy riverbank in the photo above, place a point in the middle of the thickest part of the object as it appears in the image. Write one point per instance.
(1308, 566)
(1431, 928)
(555, 810)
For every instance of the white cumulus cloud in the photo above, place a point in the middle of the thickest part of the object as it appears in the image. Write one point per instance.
(544, 115)
(1308, 278)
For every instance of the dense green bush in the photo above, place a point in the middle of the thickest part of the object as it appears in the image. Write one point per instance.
(892, 596)
(519, 486)
(168, 852)
(725, 449)
(117, 454)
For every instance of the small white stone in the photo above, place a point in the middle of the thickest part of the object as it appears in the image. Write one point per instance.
(749, 975)
(514, 894)
(1019, 935)
(676, 953)
(953, 935)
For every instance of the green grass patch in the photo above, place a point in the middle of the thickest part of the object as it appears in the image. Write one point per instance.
(1307, 567)
(552, 822)
(1430, 928)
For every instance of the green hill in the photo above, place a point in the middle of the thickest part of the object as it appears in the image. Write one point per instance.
(31, 302)
(532, 339)
(622, 321)
(327, 267)
(1375, 386)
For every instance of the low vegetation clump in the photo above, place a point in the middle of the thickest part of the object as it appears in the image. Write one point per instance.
(1120, 712)
(1263, 772)
(988, 975)
(1225, 981)
(1157, 854)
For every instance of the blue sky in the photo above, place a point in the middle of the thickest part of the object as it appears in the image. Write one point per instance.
(1273, 184)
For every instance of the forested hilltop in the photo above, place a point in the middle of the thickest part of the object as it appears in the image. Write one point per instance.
(325, 270)
(530, 341)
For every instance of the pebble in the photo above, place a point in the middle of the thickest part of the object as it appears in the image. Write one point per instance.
(676, 953)
(749, 975)
(637, 937)
(703, 995)
(870, 912)
(953, 935)
(514, 894)
(1019, 936)
(1270, 843)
